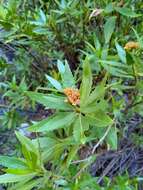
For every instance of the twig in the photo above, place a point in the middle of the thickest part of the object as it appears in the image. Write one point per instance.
(4, 106)
(93, 150)
(34, 57)
(79, 161)
(95, 147)
(102, 139)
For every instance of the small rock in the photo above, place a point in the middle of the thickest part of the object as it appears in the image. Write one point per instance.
(1, 188)
(23, 129)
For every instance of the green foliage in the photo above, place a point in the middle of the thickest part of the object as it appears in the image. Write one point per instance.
(89, 113)
(69, 57)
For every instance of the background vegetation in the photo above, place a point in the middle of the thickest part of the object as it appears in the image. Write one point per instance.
(71, 92)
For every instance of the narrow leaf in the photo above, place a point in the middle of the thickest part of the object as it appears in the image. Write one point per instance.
(79, 126)
(26, 142)
(109, 28)
(126, 12)
(18, 171)
(112, 138)
(57, 121)
(61, 67)
(66, 74)
(43, 16)
(99, 119)
(54, 82)
(97, 93)
(12, 162)
(27, 185)
(121, 52)
(72, 154)
(86, 82)
(50, 101)
(11, 178)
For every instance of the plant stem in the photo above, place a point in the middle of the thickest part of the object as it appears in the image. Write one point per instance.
(102, 139)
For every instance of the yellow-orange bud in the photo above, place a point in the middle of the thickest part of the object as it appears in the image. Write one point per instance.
(73, 96)
(131, 45)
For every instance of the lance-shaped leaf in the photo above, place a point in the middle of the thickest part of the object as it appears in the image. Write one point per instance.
(11, 178)
(28, 184)
(121, 52)
(97, 93)
(126, 12)
(66, 74)
(80, 125)
(86, 82)
(57, 121)
(109, 28)
(72, 154)
(50, 101)
(99, 119)
(27, 143)
(95, 107)
(12, 162)
(112, 138)
(54, 82)
(18, 171)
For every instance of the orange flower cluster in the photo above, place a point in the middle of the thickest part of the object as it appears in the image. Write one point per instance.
(131, 45)
(73, 96)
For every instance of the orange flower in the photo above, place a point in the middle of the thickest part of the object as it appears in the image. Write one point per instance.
(73, 96)
(131, 45)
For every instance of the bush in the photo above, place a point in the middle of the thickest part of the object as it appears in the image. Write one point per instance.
(83, 62)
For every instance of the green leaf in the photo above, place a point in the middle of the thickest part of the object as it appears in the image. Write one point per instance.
(126, 12)
(121, 52)
(61, 67)
(62, 182)
(54, 152)
(139, 39)
(66, 74)
(43, 16)
(57, 121)
(78, 129)
(27, 143)
(27, 185)
(54, 82)
(113, 63)
(99, 119)
(32, 158)
(11, 178)
(105, 50)
(112, 138)
(86, 82)
(3, 12)
(12, 162)
(109, 28)
(50, 101)
(18, 171)
(97, 93)
(116, 68)
(71, 155)
(45, 142)
(95, 106)
(41, 31)
(109, 8)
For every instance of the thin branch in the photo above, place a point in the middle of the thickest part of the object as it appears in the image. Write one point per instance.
(79, 161)
(102, 139)
(34, 57)
(4, 106)
(95, 147)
